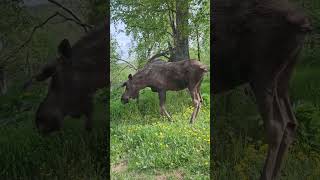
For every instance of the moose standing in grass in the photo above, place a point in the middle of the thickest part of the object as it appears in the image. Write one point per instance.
(163, 76)
(258, 43)
(75, 76)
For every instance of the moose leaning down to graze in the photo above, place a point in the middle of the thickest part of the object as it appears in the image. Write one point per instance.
(258, 42)
(75, 76)
(163, 76)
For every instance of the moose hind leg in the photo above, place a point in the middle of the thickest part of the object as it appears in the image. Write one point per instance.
(199, 99)
(288, 116)
(196, 104)
(199, 93)
(288, 135)
(270, 112)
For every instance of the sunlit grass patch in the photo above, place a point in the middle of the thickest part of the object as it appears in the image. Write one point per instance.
(71, 153)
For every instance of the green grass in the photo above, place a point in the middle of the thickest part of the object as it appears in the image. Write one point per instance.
(70, 154)
(148, 146)
(239, 147)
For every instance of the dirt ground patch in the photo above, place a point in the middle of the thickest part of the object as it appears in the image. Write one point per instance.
(175, 174)
(120, 167)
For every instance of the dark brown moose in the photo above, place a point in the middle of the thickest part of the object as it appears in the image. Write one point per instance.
(258, 42)
(163, 76)
(75, 76)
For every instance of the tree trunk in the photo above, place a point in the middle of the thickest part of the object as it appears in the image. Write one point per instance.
(198, 44)
(181, 41)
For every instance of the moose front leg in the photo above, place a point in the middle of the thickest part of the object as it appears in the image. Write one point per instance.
(162, 100)
(196, 103)
(199, 93)
(270, 110)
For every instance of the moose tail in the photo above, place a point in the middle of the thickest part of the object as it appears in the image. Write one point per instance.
(204, 68)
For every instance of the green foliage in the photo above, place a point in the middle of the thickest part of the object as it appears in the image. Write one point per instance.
(309, 124)
(149, 22)
(69, 154)
(247, 159)
(14, 20)
(97, 10)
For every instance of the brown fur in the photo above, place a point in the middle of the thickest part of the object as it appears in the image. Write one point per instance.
(163, 76)
(75, 76)
(258, 42)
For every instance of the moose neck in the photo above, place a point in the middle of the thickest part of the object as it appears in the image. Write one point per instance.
(141, 80)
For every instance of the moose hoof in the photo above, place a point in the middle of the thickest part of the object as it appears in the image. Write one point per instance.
(191, 121)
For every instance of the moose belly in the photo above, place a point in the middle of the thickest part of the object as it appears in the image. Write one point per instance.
(177, 85)
(173, 85)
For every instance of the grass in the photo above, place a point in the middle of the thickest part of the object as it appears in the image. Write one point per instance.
(69, 154)
(239, 147)
(148, 146)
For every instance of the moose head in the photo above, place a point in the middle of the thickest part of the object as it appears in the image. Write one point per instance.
(131, 91)
(49, 116)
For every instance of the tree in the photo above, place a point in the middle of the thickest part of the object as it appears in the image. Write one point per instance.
(14, 20)
(157, 25)
(181, 33)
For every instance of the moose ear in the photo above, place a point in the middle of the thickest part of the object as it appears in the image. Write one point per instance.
(64, 48)
(124, 84)
(130, 76)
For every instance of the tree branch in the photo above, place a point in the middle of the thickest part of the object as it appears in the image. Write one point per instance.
(71, 13)
(24, 44)
(155, 10)
(131, 65)
(159, 54)
(118, 73)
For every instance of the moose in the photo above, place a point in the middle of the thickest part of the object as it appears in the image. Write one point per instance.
(258, 43)
(75, 76)
(163, 76)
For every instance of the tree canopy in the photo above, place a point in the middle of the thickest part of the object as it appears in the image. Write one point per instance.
(154, 25)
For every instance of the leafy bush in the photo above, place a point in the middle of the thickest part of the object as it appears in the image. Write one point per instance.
(309, 124)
